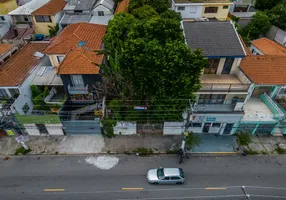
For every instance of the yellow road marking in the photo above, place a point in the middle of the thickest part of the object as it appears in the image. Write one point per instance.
(215, 188)
(132, 188)
(54, 190)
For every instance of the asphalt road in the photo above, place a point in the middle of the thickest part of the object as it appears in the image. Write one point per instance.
(71, 178)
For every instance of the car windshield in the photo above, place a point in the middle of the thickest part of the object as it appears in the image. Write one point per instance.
(182, 173)
(160, 173)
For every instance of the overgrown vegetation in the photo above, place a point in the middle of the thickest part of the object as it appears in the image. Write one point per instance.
(149, 64)
(53, 30)
(22, 151)
(280, 150)
(143, 151)
(192, 140)
(108, 125)
(243, 138)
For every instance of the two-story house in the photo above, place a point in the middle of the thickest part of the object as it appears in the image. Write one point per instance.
(6, 6)
(220, 100)
(48, 16)
(265, 107)
(73, 54)
(198, 9)
(16, 75)
(23, 27)
(93, 11)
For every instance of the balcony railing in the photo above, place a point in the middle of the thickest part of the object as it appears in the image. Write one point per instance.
(220, 108)
(78, 89)
(225, 87)
(271, 104)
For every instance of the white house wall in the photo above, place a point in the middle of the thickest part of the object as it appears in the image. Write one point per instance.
(102, 8)
(58, 16)
(255, 51)
(32, 129)
(55, 129)
(173, 128)
(191, 11)
(25, 90)
(125, 128)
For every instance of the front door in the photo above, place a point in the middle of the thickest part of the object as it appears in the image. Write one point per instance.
(227, 129)
(227, 65)
(206, 127)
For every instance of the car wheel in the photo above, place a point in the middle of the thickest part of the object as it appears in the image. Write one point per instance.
(179, 183)
(155, 183)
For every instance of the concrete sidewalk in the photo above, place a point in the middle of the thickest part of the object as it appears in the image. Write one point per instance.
(93, 144)
(90, 144)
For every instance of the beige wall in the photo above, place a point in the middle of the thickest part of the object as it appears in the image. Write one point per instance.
(54, 60)
(221, 13)
(43, 27)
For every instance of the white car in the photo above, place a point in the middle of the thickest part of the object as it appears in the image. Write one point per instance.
(166, 176)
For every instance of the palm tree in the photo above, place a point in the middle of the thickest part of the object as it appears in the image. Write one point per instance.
(192, 140)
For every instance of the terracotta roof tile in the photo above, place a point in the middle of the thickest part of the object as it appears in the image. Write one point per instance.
(80, 61)
(122, 6)
(5, 47)
(269, 47)
(51, 8)
(265, 69)
(20, 64)
(69, 38)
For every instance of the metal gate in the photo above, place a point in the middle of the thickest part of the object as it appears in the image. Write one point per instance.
(148, 128)
(82, 127)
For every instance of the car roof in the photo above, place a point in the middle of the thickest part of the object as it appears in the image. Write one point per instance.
(171, 172)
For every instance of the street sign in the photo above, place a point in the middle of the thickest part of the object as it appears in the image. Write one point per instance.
(140, 108)
(20, 139)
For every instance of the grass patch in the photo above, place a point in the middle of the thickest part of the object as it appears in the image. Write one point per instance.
(143, 151)
(22, 151)
(280, 150)
(250, 152)
(243, 139)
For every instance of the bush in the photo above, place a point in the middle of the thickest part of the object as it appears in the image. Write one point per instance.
(172, 151)
(193, 140)
(108, 125)
(143, 151)
(280, 150)
(243, 139)
(22, 151)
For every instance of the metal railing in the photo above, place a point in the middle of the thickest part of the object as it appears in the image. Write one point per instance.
(78, 89)
(225, 87)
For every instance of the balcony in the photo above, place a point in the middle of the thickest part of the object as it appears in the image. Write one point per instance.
(78, 89)
(220, 108)
(222, 83)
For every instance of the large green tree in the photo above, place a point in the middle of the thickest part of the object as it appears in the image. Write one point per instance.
(151, 58)
(278, 15)
(258, 26)
(266, 4)
(159, 5)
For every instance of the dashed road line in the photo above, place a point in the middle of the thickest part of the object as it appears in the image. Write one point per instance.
(54, 190)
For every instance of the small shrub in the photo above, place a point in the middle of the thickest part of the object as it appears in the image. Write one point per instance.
(56, 152)
(193, 140)
(22, 151)
(108, 125)
(280, 150)
(143, 151)
(172, 151)
(127, 153)
(250, 152)
(243, 139)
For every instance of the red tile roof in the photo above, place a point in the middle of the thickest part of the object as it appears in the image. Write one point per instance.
(80, 61)
(69, 38)
(51, 8)
(269, 47)
(265, 69)
(122, 6)
(5, 47)
(15, 71)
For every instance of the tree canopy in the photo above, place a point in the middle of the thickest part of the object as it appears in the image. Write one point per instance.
(278, 15)
(150, 62)
(266, 4)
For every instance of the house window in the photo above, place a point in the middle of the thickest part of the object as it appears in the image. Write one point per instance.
(282, 91)
(193, 9)
(213, 65)
(211, 98)
(2, 18)
(60, 58)
(211, 9)
(43, 18)
(78, 11)
(181, 8)
(216, 125)
(225, 7)
(100, 13)
(198, 125)
(3, 93)
(77, 80)
(227, 66)
(26, 19)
